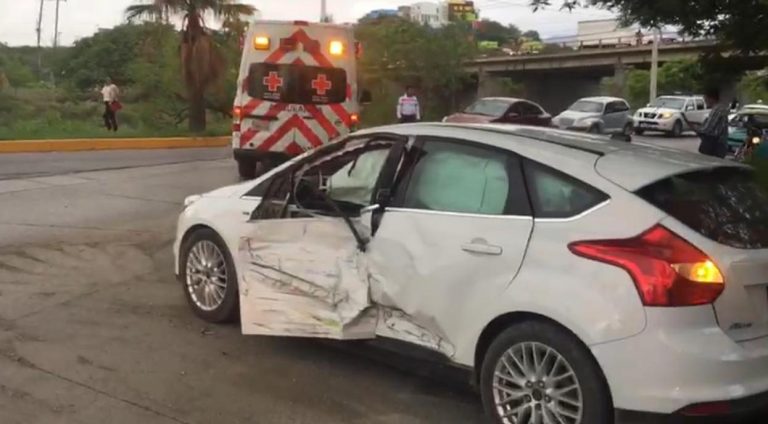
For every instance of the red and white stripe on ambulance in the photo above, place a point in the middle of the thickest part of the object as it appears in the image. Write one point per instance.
(266, 123)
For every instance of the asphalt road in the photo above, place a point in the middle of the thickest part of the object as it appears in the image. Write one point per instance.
(94, 328)
(29, 165)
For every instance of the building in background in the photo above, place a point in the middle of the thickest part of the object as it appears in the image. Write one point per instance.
(435, 13)
(427, 13)
(462, 10)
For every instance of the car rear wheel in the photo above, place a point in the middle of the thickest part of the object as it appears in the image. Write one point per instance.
(536, 372)
(627, 129)
(209, 278)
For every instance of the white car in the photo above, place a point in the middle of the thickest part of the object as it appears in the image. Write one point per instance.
(665, 114)
(597, 115)
(575, 275)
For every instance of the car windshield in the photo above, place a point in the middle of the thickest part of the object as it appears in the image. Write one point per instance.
(669, 102)
(495, 108)
(587, 106)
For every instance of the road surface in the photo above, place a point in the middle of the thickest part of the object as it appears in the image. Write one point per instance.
(94, 328)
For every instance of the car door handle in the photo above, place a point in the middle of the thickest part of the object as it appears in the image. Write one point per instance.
(482, 248)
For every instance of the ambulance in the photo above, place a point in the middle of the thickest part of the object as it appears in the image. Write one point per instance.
(297, 90)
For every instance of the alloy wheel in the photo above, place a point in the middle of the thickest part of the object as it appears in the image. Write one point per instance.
(533, 383)
(206, 275)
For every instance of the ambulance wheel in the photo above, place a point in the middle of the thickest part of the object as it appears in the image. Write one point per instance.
(246, 168)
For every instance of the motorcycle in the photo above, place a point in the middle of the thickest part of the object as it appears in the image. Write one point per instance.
(755, 136)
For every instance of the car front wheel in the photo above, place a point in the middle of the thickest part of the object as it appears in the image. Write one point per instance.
(209, 278)
(536, 372)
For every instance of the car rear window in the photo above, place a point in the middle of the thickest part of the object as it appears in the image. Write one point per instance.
(297, 84)
(727, 205)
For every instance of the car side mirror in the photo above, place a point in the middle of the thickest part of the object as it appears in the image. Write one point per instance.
(366, 97)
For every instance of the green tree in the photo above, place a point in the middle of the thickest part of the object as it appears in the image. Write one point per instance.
(737, 23)
(201, 60)
(681, 76)
(488, 30)
(532, 35)
(399, 52)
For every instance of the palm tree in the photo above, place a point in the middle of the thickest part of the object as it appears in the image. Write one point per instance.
(202, 64)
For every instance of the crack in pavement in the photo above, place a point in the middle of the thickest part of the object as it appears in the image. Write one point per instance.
(27, 363)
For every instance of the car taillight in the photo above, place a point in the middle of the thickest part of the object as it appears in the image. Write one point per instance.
(706, 409)
(236, 127)
(667, 270)
(354, 119)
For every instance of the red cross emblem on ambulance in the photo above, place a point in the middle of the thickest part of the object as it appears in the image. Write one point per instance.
(321, 85)
(273, 81)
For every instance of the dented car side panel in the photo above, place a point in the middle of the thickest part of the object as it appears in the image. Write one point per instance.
(304, 278)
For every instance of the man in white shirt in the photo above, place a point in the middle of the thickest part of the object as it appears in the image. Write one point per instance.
(110, 93)
(408, 109)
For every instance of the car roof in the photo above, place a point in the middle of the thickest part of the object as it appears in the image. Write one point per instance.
(603, 99)
(503, 99)
(629, 165)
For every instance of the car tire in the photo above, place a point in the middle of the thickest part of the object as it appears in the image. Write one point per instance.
(561, 355)
(204, 252)
(677, 129)
(246, 168)
(628, 128)
(639, 131)
(594, 129)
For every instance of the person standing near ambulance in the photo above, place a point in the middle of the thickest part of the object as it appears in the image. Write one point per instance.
(408, 108)
(110, 93)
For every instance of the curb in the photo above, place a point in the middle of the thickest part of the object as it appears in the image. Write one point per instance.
(78, 145)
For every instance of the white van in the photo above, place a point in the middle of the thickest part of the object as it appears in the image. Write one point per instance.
(297, 90)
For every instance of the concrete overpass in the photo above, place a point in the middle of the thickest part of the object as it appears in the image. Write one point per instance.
(556, 80)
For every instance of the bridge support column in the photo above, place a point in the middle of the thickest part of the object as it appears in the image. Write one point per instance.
(489, 85)
(620, 80)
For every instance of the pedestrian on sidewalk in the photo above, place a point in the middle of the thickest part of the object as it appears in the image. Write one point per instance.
(111, 95)
(408, 109)
(714, 131)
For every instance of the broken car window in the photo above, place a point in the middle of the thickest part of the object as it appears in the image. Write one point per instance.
(355, 182)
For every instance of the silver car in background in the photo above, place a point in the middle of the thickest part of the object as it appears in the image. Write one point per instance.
(597, 115)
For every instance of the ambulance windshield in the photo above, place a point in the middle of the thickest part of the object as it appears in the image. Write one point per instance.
(297, 84)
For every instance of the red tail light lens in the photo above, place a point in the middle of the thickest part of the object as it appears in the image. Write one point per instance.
(236, 127)
(667, 270)
(354, 119)
(707, 409)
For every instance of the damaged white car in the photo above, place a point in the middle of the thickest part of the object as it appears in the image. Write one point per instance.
(574, 275)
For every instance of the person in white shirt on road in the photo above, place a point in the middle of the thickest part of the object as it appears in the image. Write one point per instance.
(408, 109)
(110, 93)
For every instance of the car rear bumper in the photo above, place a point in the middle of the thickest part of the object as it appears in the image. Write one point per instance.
(254, 154)
(682, 359)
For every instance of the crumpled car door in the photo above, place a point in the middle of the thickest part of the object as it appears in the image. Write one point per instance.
(304, 274)
(301, 277)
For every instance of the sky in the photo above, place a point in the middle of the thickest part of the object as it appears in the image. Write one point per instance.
(80, 18)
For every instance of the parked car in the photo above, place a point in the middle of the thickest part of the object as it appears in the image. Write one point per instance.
(597, 115)
(505, 110)
(572, 275)
(749, 124)
(664, 114)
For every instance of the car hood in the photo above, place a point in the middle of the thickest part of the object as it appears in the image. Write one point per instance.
(229, 191)
(467, 118)
(658, 110)
(577, 116)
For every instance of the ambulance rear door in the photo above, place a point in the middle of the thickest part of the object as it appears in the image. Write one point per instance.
(297, 88)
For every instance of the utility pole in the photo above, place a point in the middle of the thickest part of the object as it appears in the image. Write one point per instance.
(323, 10)
(655, 64)
(39, 37)
(56, 34)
